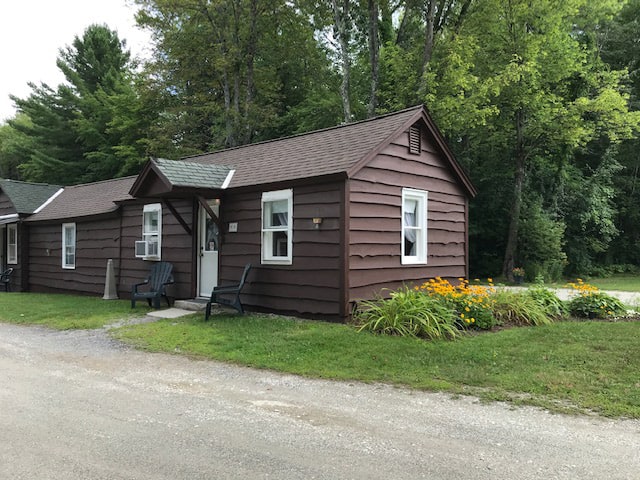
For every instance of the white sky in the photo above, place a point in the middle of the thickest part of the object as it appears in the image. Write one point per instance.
(32, 32)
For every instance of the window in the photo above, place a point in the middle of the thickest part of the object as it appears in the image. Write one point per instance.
(414, 226)
(277, 227)
(12, 244)
(150, 245)
(69, 245)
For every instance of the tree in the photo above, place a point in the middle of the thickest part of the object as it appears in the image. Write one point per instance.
(230, 72)
(76, 130)
(12, 144)
(552, 94)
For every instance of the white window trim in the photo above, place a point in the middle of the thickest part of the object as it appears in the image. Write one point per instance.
(421, 197)
(266, 233)
(65, 226)
(12, 253)
(152, 207)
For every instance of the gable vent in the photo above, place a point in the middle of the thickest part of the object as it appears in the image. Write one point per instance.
(414, 140)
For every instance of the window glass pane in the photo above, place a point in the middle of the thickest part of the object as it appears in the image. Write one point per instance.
(12, 244)
(277, 232)
(150, 222)
(69, 245)
(276, 213)
(414, 226)
(410, 209)
(280, 242)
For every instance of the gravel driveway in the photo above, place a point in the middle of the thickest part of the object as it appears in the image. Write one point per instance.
(77, 405)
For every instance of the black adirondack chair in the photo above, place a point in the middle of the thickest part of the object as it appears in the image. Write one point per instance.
(155, 285)
(5, 279)
(232, 291)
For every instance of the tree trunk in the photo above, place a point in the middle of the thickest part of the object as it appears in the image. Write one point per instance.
(374, 54)
(516, 206)
(251, 53)
(340, 30)
(228, 123)
(427, 52)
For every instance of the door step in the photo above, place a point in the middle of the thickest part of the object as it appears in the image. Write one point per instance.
(194, 304)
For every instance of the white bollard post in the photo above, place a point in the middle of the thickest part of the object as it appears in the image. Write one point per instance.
(110, 292)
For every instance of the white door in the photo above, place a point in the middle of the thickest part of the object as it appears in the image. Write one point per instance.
(209, 241)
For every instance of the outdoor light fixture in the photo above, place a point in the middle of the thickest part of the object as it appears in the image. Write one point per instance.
(316, 222)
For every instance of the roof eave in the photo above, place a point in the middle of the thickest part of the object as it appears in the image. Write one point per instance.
(149, 168)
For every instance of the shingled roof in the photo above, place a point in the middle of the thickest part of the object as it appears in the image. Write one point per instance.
(86, 200)
(340, 150)
(319, 153)
(176, 177)
(27, 197)
(191, 174)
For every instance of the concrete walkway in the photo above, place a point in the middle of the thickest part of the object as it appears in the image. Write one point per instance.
(631, 299)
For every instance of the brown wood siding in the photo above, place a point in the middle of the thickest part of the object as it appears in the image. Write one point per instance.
(375, 206)
(311, 285)
(17, 278)
(20, 268)
(97, 241)
(177, 248)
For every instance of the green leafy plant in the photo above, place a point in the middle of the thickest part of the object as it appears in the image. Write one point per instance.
(590, 302)
(549, 301)
(518, 308)
(596, 305)
(408, 313)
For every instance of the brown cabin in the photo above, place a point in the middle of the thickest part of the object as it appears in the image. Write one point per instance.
(327, 218)
(18, 201)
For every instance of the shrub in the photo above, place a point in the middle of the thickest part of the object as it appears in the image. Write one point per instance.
(408, 312)
(541, 241)
(596, 305)
(472, 303)
(518, 308)
(590, 302)
(549, 301)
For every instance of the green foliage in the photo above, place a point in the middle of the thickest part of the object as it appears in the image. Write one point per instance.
(519, 308)
(552, 306)
(541, 240)
(12, 143)
(408, 313)
(473, 314)
(596, 305)
(90, 128)
(590, 213)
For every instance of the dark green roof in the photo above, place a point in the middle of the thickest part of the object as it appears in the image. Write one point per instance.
(27, 197)
(191, 174)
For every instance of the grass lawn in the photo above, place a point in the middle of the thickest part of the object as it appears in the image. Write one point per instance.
(568, 366)
(64, 312)
(621, 282)
(625, 283)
